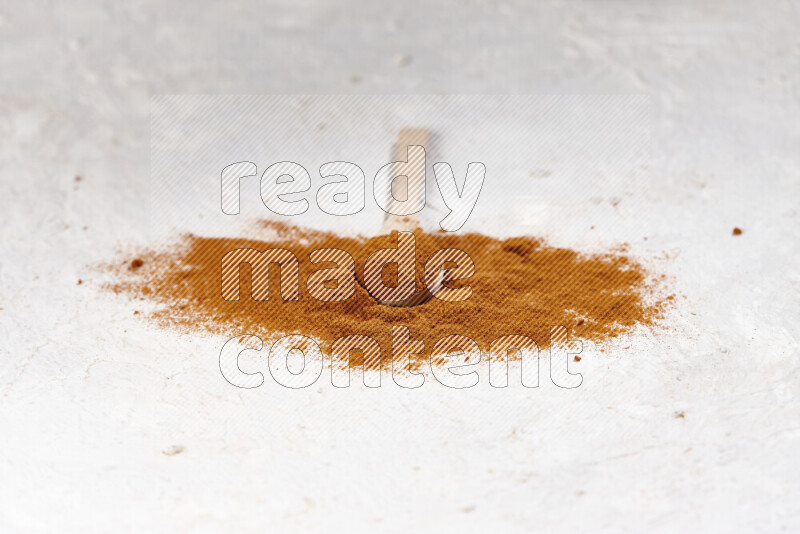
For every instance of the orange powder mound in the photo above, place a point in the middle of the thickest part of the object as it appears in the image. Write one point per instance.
(520, 286)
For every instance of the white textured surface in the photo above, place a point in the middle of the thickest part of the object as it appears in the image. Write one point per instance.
(91, 396)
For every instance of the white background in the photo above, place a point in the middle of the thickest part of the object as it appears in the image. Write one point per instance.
(90, 395)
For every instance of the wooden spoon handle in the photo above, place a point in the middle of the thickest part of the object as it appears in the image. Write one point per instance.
(405, 138)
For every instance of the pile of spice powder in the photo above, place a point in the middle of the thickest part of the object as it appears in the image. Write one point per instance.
(520, 286)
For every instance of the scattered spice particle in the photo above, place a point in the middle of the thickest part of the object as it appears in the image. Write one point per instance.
(80, 282)
(737, 231)
(135, 264)
(172, 450)
(78, 178)
(577, 358)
